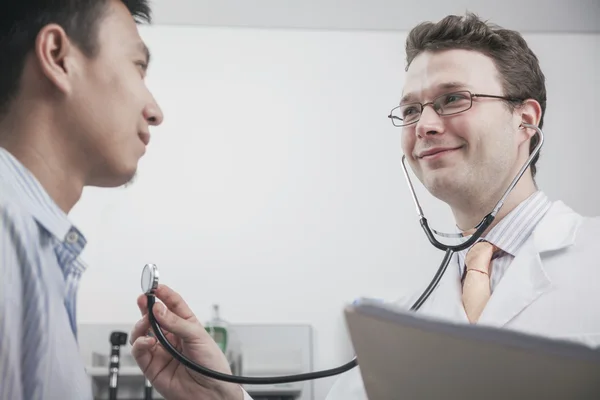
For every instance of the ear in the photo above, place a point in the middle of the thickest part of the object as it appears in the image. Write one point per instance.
(530, 112)
(54, 51)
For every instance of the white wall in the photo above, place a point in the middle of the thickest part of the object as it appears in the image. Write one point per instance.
(573, 16)
(276, 176)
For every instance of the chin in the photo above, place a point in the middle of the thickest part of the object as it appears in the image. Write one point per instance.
(114, 179)
(442, 185)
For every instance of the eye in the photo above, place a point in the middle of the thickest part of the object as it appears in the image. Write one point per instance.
(143, 66)
(409, 110)
(453, 97)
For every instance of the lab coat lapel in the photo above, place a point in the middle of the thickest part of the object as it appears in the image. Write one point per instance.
(525, 279)
(523, 282)
(446, 302)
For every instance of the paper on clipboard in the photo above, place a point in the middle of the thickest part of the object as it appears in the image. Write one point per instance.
(405, 356)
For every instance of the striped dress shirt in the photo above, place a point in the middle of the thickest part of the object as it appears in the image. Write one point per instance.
(510, 233)
(39, 276)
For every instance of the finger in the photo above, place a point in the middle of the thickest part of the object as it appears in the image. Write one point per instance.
(174, 302)
(153, 359)
(139, 329)
(143, 326)
(142, 302)
(142, 350)
(142, 329)
(188, 330)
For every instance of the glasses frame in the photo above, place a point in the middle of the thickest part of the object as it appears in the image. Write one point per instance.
(432, 103)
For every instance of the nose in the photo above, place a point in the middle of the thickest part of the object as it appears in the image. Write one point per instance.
(153, 114)
(430, 123)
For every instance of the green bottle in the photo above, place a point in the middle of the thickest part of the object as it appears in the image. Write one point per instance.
(218, 329)
(226, 338)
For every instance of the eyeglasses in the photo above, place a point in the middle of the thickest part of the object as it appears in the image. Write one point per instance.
(446, 104)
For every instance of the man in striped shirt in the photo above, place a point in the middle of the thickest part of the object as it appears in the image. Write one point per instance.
(74, 112)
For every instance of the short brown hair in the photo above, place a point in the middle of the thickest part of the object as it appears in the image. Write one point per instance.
(520, 73)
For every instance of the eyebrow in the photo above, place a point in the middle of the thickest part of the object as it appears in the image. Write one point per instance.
(410, 97)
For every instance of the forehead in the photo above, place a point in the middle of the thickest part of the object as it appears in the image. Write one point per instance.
(118, 26)
(431, 74)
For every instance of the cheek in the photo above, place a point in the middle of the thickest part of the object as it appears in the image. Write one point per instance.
(472, 134)
(127, 103)
(463, 129)
(408, 142)
(408, 145)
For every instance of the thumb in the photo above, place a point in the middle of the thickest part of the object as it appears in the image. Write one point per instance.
(183, 329)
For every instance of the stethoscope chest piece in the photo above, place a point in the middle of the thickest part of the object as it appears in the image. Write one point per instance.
(149, 278)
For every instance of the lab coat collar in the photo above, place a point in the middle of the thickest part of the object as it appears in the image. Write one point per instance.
(557, 230)
(525, 280)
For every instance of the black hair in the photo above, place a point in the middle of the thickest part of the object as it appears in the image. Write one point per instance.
(21, 21)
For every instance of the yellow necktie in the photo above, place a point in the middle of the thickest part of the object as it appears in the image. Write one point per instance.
(476, 286)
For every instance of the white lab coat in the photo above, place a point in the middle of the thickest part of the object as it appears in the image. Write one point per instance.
(552, 289)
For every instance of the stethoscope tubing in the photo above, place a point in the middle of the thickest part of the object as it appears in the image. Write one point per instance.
(450, 250)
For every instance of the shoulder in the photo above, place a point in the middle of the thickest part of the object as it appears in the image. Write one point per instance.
(587, 228)
(16, 225)
(587, 237)
(562, 225)
(20, 241)
(564, 233)
(591, 225)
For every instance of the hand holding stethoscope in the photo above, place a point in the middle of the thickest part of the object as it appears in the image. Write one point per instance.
(185, 333)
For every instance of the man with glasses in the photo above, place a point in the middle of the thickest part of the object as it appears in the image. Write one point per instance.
(470, 92)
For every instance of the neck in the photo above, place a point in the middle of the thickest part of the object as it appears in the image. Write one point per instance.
(32, 137)
(470, 213)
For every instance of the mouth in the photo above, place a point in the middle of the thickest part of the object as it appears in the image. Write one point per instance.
(144, 137)
(437, 152)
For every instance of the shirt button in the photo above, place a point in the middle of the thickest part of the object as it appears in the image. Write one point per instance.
(72, 237)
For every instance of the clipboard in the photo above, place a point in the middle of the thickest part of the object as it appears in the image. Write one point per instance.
(406, 356)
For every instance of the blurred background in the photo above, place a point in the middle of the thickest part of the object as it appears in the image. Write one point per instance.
(274, 186)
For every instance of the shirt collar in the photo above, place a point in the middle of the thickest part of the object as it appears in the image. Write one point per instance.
(512, 231)
(26, 190)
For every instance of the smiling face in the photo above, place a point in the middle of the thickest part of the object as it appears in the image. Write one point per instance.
(467, 155)
(110, 106)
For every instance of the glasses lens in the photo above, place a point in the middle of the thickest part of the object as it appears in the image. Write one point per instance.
(406, 114)
(452, 103)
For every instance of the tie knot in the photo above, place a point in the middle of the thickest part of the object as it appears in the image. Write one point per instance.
(480, 255)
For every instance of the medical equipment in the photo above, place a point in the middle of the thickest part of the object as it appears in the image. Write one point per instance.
(218, 329)
(226, 338)
(117, 339)
(150, 283)
(147, 390)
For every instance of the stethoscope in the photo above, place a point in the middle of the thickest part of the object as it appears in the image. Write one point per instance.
(150, 283)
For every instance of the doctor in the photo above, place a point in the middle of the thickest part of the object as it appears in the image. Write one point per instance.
(469, 87)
